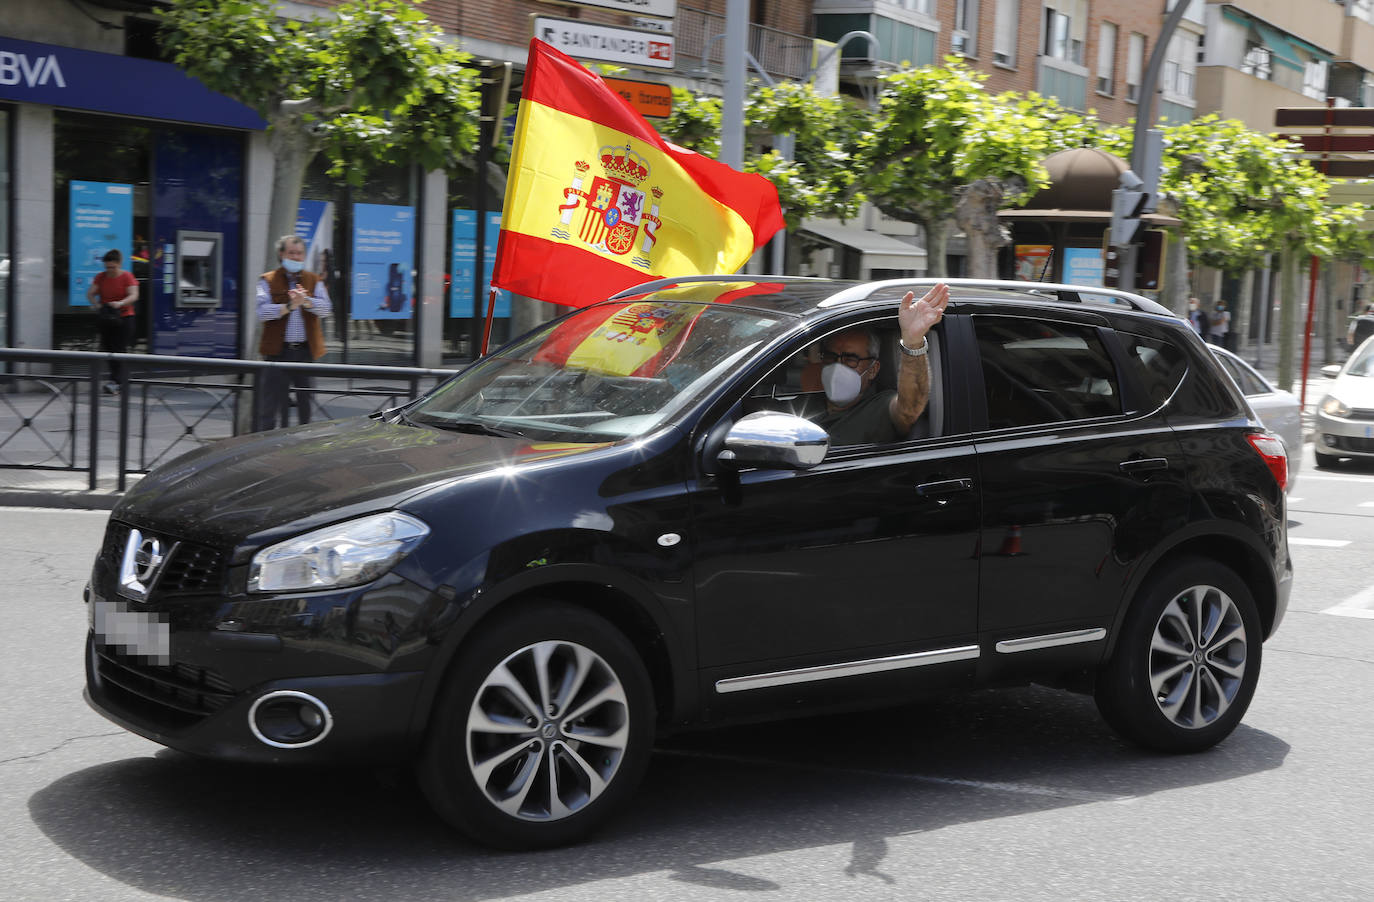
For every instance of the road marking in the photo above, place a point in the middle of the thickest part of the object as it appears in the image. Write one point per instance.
(1320, 543)
(1367, 504)
(1361, 604)
(1324, 477)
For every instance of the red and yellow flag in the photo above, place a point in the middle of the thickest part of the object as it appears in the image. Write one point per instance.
(598, 202)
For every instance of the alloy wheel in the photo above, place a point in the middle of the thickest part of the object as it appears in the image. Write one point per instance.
(1198, 656)
(547, 731)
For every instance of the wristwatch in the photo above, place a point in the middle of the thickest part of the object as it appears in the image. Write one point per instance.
(919, 352)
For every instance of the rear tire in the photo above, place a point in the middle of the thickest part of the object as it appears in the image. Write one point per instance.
(1187, 659)
(543, 730)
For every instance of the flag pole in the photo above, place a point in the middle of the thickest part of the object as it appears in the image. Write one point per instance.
(491, 314)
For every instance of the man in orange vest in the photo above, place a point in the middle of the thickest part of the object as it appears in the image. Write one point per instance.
(291, 304)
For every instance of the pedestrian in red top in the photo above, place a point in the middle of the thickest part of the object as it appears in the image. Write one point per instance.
(113, 293)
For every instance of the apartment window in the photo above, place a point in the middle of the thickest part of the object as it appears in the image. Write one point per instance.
(1106, 57)
(963, 37)
(1180, 65)
(1361, 9)
(1066, 27)
(1135, 65)
(1258, 61)
(1314, 77)
(1004, 32)
(924, 7)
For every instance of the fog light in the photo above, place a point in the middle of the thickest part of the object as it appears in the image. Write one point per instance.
(1329, 440)
(287, 719)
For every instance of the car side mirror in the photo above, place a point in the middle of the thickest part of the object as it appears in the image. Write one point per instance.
(1331, 370)
(774, 440)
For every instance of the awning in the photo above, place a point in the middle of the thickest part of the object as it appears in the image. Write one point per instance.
(880, 251)
(1279, 44)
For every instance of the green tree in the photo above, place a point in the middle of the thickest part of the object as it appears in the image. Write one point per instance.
(372, 83)
(940, 145)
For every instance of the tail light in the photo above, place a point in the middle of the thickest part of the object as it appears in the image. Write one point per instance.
(1271, 449)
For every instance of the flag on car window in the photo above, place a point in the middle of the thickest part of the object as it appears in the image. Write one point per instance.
(598, 202)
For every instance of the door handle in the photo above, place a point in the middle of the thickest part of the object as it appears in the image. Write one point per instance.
(944, 487)
(1144, 465)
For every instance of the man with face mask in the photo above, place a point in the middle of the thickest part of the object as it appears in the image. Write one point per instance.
(855, 412)
(291, 304)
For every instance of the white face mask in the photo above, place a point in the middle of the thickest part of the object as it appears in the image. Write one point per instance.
(292, 265)
(842, 384)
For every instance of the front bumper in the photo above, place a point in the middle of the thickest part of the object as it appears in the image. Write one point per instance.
(1342, 437)
(190, 709)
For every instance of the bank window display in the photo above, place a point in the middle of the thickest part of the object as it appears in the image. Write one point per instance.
(102, 169)
(362, 241)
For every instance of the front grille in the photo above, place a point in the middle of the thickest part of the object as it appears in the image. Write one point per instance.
(176, 695)
(189, 569)
(1361, 413)
(1358, 444)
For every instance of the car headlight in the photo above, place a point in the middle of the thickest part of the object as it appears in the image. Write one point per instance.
(1333, 407)
(345, 554)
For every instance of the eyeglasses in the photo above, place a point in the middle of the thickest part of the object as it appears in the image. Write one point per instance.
(850, 360)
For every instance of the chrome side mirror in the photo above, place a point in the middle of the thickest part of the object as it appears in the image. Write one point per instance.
(1331, 370)
(772, 440)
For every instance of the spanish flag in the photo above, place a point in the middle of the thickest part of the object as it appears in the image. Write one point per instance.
(598, 202)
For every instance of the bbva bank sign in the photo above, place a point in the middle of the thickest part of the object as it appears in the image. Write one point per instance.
(17, 68)
(77, 79)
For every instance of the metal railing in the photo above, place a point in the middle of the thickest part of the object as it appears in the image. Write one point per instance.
(698, 36)
(54, 404)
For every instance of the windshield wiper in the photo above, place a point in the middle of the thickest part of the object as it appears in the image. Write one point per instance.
(474, 427)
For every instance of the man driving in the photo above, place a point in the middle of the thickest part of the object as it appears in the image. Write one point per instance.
(855, 412)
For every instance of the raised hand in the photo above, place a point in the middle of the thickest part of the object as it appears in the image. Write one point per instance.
(918, 316)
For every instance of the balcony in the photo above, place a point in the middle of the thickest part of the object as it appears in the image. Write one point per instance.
(700, 39)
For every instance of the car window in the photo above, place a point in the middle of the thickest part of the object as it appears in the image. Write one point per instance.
(1157, 365)
(1246, 380)
(1036, 371)
(796, 385)
(606, 372)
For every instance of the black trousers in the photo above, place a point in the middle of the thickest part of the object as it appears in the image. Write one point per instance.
(115, 337)
(275, 389)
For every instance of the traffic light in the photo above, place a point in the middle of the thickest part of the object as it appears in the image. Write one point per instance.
(1128, 202)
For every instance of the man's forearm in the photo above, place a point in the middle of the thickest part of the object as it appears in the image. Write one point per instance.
(913, 390)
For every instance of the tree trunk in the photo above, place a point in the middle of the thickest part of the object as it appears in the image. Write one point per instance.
(976, 214)
(1173, 288)
(292, 150)
(937, 239)
(1240, 312)
(1290, 302)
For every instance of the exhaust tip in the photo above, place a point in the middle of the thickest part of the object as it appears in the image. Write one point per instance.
(287, 719)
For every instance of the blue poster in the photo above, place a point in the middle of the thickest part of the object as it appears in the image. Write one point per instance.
(383, 261)
(102, 219)
(463, 262)
(1083, 266)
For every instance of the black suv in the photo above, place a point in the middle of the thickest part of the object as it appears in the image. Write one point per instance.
(626, 523)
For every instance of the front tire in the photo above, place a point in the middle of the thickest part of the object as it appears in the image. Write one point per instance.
(1187, 660)
(544, 729)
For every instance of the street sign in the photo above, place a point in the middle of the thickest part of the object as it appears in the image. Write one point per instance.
(649, 100)
(666, 9)
(589, 41)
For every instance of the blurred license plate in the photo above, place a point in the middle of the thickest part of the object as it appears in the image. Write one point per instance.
(141, 633)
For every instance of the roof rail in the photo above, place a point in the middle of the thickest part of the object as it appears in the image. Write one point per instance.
(656, 284)
(1058, 291)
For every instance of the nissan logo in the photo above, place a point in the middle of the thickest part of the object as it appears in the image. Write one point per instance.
(147, 559)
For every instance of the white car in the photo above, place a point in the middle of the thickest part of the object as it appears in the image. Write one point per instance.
(1279, 410)
(1345, 418)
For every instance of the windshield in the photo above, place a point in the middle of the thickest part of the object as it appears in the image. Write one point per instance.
(612, 371)
(1363, 363)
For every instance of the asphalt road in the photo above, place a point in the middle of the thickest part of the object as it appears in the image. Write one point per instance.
(1016, 795)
